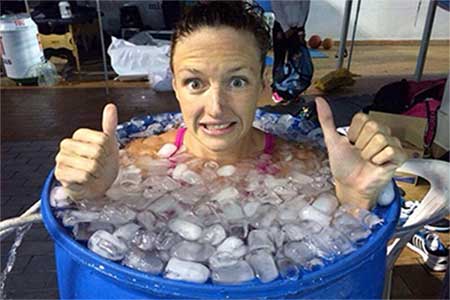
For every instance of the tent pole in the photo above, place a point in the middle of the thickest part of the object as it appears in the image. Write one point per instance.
(344, 32)
(425, 40)
(102, 39)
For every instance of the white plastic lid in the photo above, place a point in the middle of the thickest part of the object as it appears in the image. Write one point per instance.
(16, 22)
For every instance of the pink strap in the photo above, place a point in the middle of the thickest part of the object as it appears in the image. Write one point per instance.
(269, 143)
(180, 137)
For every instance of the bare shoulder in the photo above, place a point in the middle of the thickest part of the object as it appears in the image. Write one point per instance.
(150, 145)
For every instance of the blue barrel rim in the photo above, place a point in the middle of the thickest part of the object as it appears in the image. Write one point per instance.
(156, 284)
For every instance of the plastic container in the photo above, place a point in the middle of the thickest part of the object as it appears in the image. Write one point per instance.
(20, 46)
(84, 275)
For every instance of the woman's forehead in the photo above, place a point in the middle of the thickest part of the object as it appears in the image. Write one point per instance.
(222, 45)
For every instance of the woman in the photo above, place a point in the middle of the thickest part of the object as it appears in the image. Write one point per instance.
(217, 58)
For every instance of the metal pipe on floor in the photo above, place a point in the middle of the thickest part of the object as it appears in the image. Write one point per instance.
(350, 53)
(344, 32)
(425, 39)
(102, 39)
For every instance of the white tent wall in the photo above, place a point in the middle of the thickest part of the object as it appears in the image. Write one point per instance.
(378, 20)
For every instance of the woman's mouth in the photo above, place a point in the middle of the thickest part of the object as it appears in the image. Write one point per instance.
(217, 128)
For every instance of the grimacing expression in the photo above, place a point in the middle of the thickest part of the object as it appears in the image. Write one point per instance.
(217, 81)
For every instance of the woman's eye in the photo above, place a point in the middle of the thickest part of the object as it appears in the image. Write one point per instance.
(238, 82)
(194, 84)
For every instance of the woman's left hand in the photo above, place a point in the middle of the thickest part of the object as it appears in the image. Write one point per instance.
(364, 161)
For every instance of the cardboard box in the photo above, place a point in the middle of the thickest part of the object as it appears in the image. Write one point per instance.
(410, 131)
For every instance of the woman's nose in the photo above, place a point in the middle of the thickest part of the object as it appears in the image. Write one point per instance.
(216, 102)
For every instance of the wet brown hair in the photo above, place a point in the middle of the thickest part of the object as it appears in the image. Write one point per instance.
(239, 15)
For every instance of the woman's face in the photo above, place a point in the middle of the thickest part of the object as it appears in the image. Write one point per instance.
(217, 81)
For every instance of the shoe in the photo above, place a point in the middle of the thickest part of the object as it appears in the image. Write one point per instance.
(442, 225)
(430, 248)
(407, 209)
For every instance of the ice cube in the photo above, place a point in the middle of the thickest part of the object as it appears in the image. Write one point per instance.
(126, 232)
(59, 198)
(147, 219)
(192, 251)
(213, 234)
(185, 229)
(300, 178)
(234, 246)
(167, 150)
(288, 269)
(227, 194)
(263, 265)
(186, 270)
(326, 203)
(166, 239)
(232, 211)
(143, 261)
(179, 170)
(294, 232)
(222, 259)
(226, 170)
(234, 274)
(311, 213)
(351, 227)
(250, 208)
(260, 239)
(72, 217)
(105, 244)
(264, 216)
(264, 195)
(300, 252)
(277, 236)
(332, 243)
(117, 214)
(144, 240)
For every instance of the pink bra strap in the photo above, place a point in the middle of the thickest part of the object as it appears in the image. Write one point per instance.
(269, 143)
(180, 137)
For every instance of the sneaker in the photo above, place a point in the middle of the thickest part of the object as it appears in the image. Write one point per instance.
(407, 209)
(442, 225)
(430, 248)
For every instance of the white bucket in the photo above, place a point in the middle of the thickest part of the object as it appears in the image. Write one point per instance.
(20, 46)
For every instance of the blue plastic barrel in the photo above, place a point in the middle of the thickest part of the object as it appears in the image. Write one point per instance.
(85, 275)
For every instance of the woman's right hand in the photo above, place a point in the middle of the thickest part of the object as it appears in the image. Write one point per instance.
(88, 163)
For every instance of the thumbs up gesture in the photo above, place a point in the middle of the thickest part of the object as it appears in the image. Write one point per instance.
(87, 164)
(363, 162)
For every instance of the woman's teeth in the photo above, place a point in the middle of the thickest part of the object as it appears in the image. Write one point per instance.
(221, 126)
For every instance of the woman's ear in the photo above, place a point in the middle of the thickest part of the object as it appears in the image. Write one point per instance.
(174, 87)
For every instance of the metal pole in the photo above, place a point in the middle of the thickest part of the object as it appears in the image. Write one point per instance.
(425, 39)
(349, 61)
(344, 32)
(102, 39)
(27, 7)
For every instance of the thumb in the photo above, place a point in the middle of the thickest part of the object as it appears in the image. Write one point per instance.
(109, 120)
(326, 120)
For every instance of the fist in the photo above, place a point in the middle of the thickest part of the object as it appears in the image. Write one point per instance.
(363, 162)
(87, 164)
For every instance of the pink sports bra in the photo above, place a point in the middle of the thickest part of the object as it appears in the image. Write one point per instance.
(269, 140)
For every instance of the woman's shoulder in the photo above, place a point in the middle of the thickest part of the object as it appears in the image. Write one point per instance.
(150, 145)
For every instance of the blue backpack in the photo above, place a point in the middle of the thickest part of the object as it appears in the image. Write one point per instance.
(294, 77)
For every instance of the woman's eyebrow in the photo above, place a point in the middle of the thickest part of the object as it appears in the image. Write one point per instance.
(191, 70)
(240, 68)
